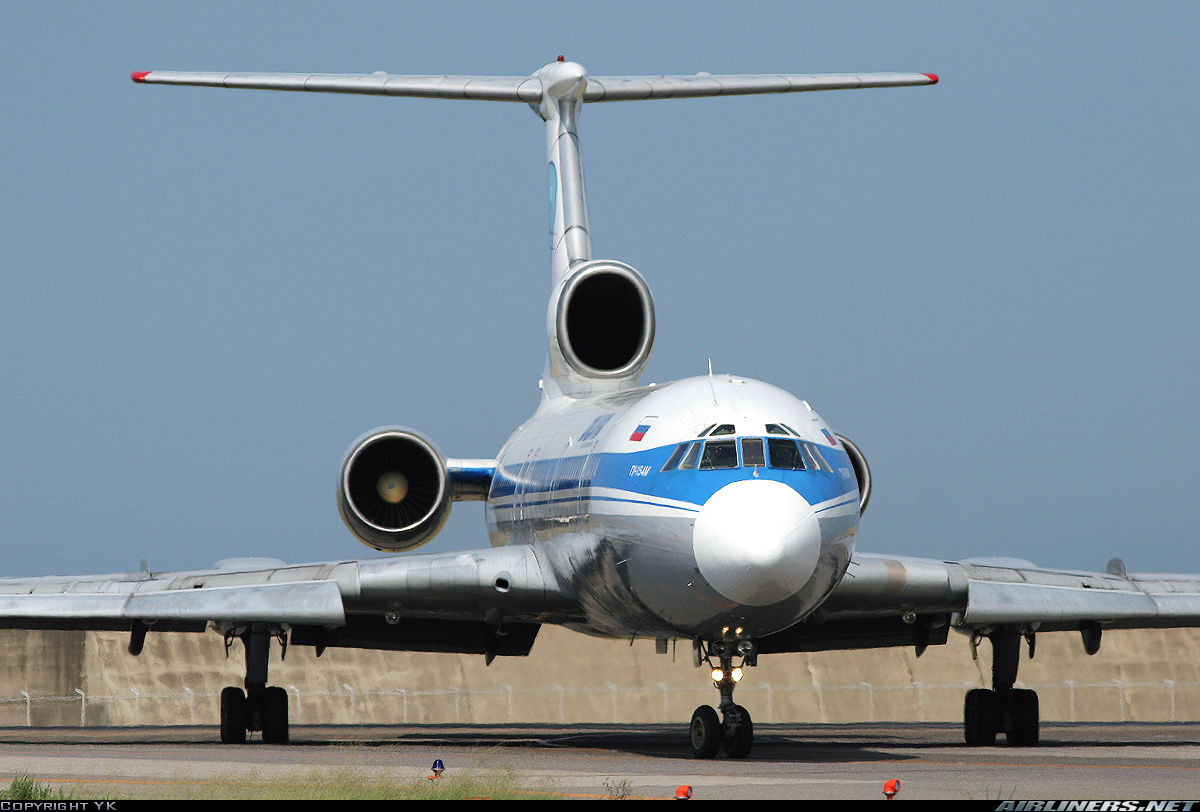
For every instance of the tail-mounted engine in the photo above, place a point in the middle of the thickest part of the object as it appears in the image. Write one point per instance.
(394, 493)
(601, 328)
(861, 472)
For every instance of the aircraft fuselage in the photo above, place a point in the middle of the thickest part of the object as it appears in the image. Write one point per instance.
(692, 509)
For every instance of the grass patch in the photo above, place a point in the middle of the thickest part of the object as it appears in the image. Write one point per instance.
(24, 788)
(357, 784)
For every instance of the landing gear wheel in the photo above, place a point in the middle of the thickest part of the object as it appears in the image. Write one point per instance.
(981, 717)
(1024, 717)
(739, 733)
(233, 715)
(705, 732)
(274, 715)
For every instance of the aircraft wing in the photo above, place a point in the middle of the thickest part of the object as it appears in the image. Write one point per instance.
(466, 601)
(528, 89)
(895, 600)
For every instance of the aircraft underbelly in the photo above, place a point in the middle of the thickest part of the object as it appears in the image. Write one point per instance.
(638, 574)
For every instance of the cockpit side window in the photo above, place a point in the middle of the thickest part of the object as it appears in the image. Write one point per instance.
(690, 460)
(785, 454)
(723, 429)
(675, 457)
(707, 430)
(816, 461)
(752, 452)
(825, 466)
(791, 430)
(719, 454)
(775, 428)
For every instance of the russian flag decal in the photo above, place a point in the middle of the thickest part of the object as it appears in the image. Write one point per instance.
(832, 440)
(639, 433)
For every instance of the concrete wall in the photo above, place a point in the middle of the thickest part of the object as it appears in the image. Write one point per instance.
(1145, 676)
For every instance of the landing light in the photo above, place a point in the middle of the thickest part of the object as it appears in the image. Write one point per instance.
(718, 675)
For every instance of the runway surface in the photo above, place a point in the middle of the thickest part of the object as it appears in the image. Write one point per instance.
(1094, 761)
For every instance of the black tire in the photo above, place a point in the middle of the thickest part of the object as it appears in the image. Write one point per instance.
(233, 715)
(705, 732)
(739, 738)
(275, 715)
(981, 717)
(1024, 716)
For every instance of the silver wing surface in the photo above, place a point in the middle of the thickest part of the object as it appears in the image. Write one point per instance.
(899, 601)
(529, 89)
(488, 601)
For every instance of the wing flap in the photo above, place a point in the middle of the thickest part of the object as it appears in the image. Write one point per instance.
(992, 603)
(311, 602)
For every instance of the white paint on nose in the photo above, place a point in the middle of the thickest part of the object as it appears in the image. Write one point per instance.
(756, 541)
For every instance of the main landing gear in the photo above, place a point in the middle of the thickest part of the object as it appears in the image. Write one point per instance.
(733, 730)
(1002, 708)
(260, 707)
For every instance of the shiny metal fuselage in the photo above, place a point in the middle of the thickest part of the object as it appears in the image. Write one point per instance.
(582, 483)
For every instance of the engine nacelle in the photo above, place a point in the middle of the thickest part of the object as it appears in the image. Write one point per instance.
(601, 326)
(394, 492)
(861, 472)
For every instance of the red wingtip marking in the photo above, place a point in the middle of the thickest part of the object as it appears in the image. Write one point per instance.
(933, 80)
(140, 76)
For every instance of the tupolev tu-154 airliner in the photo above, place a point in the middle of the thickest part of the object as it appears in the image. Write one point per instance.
(715, 510)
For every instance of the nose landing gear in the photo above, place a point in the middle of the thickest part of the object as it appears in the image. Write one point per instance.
(733, 731)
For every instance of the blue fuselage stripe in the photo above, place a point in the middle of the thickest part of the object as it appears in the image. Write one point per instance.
(637, 473)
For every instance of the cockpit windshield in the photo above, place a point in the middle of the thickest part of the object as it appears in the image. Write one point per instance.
(756, 452)
(752, 452)
(719, 454)
(785, 454)
(690, 460)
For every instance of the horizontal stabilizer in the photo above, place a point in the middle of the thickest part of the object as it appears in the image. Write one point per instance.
(529, 89)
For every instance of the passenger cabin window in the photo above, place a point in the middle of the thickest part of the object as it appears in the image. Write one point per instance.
(675, 457)
(719, 454)
(723, 429)
(752, 452)
(690, 460)
(785, 454)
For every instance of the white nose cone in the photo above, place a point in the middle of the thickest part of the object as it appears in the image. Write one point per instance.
(756, 541)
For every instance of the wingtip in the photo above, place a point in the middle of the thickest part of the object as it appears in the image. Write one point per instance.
(139, 75)
(933, 78)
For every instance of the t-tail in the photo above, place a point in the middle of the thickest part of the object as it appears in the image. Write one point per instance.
(600, 322)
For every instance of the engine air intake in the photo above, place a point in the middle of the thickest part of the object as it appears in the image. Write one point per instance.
(861, 472)
(605, 321)
(394, 492)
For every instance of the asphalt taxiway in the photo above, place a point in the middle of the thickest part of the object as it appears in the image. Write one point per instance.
(835, 761)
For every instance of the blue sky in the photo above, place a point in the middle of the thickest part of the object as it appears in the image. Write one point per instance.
(990, 285)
